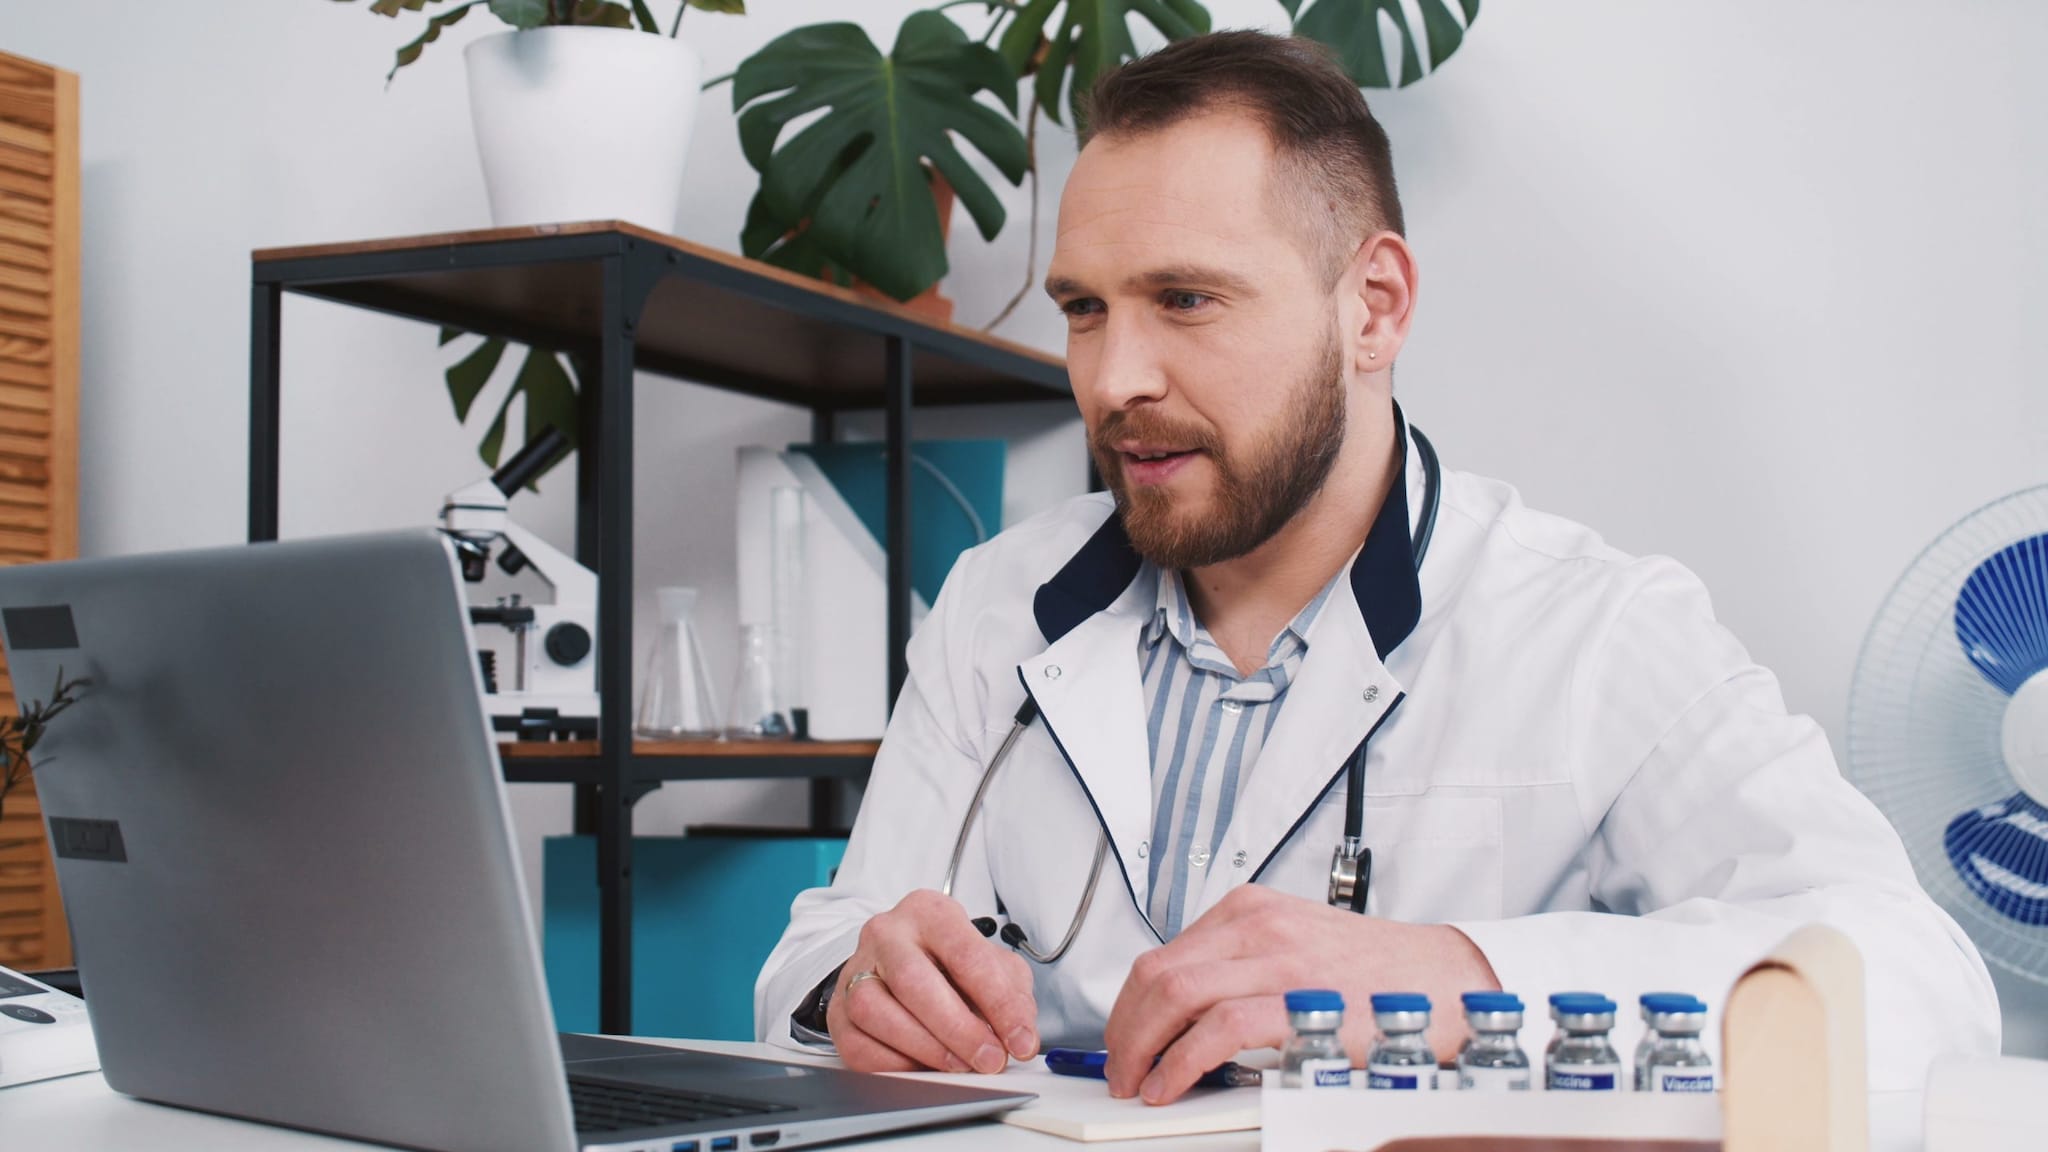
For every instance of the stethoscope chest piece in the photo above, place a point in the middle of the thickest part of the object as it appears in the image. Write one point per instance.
(1350, 875)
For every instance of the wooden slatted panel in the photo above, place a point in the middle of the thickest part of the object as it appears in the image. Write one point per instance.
(39, 306)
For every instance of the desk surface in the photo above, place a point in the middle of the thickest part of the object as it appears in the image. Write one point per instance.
(81, 1114)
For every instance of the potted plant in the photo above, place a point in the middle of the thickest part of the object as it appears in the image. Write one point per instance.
(546, 157)
(546, 160)
(861, 194)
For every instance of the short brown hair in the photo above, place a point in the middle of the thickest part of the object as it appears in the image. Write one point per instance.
(1336, 168)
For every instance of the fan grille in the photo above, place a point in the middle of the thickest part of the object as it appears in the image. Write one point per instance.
(1925, 725)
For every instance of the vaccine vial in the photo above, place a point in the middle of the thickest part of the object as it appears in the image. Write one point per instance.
(1557, 1034)
(1671, 1057)
(1401, 1058)
(1580, 1057)
(1493, 1060)
(1314, 1057)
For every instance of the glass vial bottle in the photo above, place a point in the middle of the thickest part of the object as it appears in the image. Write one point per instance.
(675, 697)
(1581, 1058)
(1557, 1033)
(1492, 1060)
(758, 711)
(1401, 1058)
(1675, 1059)
(1314, 1057)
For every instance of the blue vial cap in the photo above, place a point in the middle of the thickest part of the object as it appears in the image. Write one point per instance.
(1492, 1002)
(1400, 1002)
(1560, 997)
(1581, 1003)
(1315, 1000)
(1672, 1002)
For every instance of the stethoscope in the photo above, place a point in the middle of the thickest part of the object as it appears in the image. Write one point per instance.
(1350, 866)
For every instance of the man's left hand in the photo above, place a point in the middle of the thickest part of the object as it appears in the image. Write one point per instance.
(1219, 987)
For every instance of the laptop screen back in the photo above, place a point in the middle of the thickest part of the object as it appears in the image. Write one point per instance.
(283, 843)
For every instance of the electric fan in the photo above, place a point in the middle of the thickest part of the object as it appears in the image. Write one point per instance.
(1948, 725)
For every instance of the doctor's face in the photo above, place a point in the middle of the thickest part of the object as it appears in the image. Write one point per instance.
(1202, 338)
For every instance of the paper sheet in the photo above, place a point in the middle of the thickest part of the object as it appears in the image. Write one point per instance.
(1083, 1110)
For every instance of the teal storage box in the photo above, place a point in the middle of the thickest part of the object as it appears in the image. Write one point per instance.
(707, 910)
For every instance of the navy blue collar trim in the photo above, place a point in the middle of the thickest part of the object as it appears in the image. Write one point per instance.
(1090, 582)
(1383, 578)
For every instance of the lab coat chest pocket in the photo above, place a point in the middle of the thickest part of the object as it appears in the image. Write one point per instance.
(1439, 858)
(1435, 858)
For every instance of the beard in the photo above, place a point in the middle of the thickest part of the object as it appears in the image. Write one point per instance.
(1257, 491)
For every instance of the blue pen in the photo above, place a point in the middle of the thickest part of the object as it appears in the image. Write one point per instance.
(1084, 1063)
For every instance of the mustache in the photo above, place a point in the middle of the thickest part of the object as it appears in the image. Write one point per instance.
(1151, 427)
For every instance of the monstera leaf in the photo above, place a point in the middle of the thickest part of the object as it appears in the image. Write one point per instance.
(549, 389)
(1091, 37)
(1352, 29)
(853, 182)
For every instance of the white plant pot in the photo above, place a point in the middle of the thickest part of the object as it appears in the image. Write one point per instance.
(583, 124)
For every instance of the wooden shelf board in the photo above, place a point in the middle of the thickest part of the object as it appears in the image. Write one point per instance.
(723, 321)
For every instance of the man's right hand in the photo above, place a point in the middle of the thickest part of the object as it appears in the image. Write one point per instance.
(943, 996)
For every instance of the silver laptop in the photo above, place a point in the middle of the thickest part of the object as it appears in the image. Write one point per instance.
(282, 839)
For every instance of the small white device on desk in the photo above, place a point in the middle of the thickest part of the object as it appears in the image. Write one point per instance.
(44, 1033)
(539, 661)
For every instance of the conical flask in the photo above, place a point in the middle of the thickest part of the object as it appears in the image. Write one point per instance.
(675, 699)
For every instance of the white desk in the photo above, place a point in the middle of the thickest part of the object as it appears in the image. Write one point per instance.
(81, 1114)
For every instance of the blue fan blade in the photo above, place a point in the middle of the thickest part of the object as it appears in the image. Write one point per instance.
(2002, 614)
(2001, 852)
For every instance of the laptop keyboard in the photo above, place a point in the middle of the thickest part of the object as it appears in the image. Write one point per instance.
(613, 1106)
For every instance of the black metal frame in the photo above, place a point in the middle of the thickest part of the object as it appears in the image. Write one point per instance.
(630, 266)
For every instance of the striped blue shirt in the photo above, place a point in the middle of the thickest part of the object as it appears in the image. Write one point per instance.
(1206, 724)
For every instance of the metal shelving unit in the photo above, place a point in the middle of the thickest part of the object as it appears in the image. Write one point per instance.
(632, 299)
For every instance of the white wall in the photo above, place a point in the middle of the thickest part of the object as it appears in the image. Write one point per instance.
(1744, 282)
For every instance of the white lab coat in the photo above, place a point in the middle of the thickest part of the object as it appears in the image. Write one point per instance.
(1573, 763)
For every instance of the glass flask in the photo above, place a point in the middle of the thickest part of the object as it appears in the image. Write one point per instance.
(675, 697)
(759, 709)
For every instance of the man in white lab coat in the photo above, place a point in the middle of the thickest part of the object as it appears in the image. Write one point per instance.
(1573, 777)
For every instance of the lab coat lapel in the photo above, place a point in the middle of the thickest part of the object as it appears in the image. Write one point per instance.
(1090, 691)
(1090, 695)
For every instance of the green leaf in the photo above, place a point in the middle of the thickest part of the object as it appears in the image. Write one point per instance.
(772, 239)
(1353, 29)
(645, 17)
(600, 14)
(1095, 36)
(550, 398)
(521, 13)
(855, 177)
(467, 377)
(1021, 38)
(739, 7)
(394, 7)
(411, 52)
(493, 443)
(550, 394)
(449, 334)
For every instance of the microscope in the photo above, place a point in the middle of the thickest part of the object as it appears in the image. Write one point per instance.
(538, 661)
